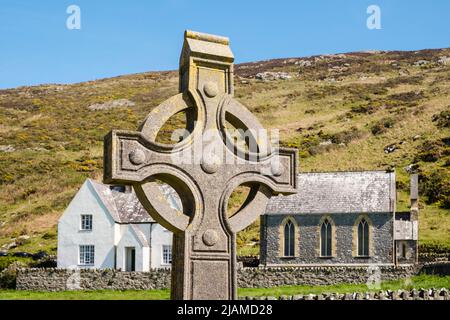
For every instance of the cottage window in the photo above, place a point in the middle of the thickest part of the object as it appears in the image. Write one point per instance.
(118, 188)
(167, 254)
(363, 238)
(325, 239)
(289, 239)
(86, 255)
(86, 222)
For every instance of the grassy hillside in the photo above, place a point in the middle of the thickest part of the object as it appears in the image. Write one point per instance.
(340, 111)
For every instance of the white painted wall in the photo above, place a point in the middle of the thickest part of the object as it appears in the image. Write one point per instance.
(106, 236)
(159, 236)
(70, 237)
(129, 239)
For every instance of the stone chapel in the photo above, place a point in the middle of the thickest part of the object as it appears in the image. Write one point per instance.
(340, 218)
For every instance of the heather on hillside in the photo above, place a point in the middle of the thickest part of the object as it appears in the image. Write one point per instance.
(378, 110)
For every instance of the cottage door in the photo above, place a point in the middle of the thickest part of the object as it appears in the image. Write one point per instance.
(130, 256)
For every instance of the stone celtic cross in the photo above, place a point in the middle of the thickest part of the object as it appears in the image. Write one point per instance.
(204, 243)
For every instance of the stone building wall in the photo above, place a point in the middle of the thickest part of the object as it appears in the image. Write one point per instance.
(381, 240)
(90, 279)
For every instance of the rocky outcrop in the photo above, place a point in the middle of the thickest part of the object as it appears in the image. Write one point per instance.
(7, 148)
(268, 76)
(112, 104)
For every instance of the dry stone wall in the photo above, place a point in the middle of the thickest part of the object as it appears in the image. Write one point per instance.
(414, 294)
(91, 279)
(283, 276)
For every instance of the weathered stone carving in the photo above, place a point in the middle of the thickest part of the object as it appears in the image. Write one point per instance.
(204, 253)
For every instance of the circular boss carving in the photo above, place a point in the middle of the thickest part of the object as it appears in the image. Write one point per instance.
(276, 168)
(137, 157)
(210, 89)
(210, 163)
(210, 237)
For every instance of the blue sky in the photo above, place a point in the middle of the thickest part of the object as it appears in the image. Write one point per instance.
(121, 37)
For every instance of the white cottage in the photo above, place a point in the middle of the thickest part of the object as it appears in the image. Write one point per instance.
(106, 227)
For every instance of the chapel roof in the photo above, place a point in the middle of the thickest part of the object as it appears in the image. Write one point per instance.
(338, 192)
(125, 207)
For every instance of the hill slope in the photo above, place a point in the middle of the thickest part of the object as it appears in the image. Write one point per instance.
(376, 110)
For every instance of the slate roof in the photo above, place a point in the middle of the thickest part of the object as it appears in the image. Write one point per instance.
(338, 192)
(125, 207)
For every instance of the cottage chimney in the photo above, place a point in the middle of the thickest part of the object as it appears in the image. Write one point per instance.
(414, 194)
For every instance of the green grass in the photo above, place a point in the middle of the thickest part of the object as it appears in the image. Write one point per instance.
(86, 295)
(421, 281)
(434, 226)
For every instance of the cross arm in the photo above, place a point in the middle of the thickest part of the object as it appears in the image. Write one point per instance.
(278, 175)
(281, 169)
(125, 154)
(278, 171)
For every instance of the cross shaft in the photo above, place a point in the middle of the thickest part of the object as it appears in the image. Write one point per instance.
(204, 169)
